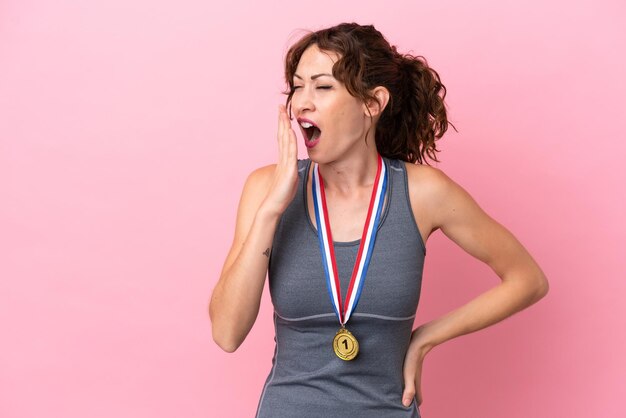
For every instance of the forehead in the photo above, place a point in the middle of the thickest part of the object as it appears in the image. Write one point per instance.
(314, 60)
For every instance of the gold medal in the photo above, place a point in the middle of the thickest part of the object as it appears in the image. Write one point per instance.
(345, 344)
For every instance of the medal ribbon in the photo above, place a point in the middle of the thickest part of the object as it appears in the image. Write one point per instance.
(366, 246)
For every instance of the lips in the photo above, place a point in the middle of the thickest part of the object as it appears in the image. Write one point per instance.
(310, 131)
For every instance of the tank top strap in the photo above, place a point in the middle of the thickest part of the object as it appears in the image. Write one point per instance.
(398, 204)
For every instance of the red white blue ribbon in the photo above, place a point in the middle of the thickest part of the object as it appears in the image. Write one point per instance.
(366, 247)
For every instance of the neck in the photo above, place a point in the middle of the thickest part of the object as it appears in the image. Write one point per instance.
(351, 173)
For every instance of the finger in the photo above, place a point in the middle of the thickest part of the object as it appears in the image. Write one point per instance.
(293, 144)
(409, 384)
(408, 395)
(285, 136)
(418, 391)
(282, 152)
(418, 382)
(280, 123)
(291, 135)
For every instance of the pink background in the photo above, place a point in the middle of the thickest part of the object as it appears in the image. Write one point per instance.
(127, 129)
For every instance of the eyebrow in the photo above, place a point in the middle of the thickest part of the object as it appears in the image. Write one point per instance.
(313, 77)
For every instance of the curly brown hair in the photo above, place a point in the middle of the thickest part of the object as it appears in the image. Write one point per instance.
(415, 116)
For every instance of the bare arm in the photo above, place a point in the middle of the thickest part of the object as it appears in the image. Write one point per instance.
(236, 298)
(451, 209)
(523, 283)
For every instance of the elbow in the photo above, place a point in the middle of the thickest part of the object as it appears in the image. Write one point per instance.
(224, 339)
(227, 346)
(541, 288)
(530, 287)
(220, 336)
(227, 332)
(534, 283)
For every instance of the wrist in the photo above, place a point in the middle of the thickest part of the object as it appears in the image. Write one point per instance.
(421, 340)
(266, 214)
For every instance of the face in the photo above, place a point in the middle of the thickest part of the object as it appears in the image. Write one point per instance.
(339, 121)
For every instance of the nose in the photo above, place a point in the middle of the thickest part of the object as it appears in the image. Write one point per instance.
(302, 101)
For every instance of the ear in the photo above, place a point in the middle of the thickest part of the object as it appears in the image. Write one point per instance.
(376, 107)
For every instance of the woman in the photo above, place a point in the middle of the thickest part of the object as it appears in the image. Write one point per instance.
(342, 235)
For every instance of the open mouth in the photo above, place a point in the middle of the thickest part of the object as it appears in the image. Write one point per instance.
(312, 133)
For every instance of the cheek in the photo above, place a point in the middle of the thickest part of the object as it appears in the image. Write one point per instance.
(347, 117)
(345, 112)
(352, 118)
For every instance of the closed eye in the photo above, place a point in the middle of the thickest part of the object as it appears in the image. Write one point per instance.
(294, 88)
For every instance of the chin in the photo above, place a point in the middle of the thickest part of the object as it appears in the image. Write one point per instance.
(315, 157)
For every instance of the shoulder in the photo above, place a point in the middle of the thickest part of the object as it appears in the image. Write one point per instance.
(428, 182)
(260, 179)
(425, 177)
(261, 175)
(257, 183)
(265, 172)
(439, 196)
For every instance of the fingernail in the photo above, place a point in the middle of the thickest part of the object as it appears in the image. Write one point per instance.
(406, 402)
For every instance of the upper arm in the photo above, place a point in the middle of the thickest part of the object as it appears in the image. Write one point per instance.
(254, 191)
(460, 218)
